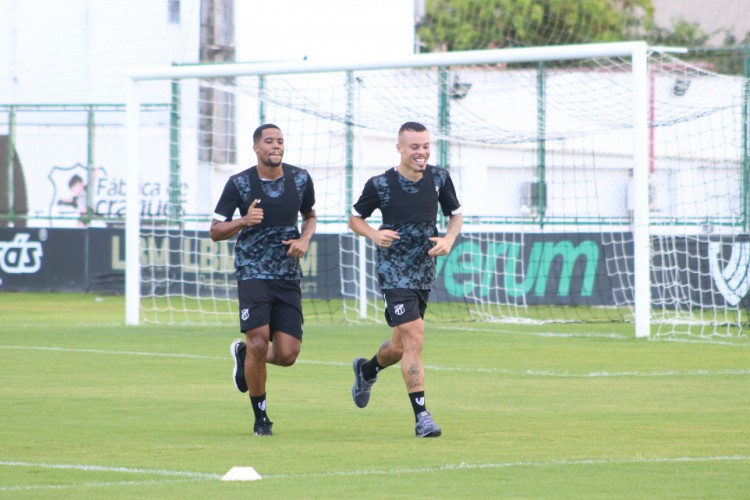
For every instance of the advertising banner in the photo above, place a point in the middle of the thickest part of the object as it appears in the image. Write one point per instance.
(536, 269)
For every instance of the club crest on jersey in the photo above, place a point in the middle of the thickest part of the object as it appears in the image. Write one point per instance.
(399, 309)
(244, 314)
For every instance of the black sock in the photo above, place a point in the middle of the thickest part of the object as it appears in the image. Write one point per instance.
(370, 369)
(417, 402)
(259, 407)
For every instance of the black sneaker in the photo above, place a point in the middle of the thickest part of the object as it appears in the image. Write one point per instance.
(361, 387)
(263, 427)
(238, 349)
(426, 427)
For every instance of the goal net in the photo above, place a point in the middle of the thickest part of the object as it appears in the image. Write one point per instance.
(595, 186)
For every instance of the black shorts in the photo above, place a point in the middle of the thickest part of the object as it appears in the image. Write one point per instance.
(277, 303)
(403, 305)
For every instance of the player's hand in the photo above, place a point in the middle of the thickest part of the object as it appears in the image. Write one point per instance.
(442, 247)
(297, 248)
(254, 215)
(385, 237)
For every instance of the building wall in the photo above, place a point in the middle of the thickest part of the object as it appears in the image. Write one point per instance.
(711, 15)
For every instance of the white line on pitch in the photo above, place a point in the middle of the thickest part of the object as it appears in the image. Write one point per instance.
(501, 465)
(197, 476)
(94, 485)
(108, 351)
(502, 371)
(602, 374)
(597, 335)
(552, 374)
(101, 468)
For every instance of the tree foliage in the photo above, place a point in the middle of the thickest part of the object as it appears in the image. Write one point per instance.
(682, 34)
(475, 24)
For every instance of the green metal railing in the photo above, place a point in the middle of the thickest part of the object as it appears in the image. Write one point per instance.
(91, 110)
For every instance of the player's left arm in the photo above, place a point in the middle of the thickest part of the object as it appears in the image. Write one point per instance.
(298, 248)
(444, 244)
(452, 208)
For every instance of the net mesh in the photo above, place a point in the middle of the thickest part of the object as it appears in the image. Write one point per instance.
(542, 157)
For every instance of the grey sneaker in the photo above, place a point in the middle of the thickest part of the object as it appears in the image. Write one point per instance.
(263, 428)
(361, 387)
(237, 349)
(426, 427)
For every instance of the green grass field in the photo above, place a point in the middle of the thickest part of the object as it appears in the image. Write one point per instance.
(95, 409)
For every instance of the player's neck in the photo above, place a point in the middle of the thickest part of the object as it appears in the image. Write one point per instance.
(409, 173)
(269, 173)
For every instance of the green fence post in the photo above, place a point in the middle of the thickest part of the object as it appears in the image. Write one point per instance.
(541, 136)
(261, 97)
(349, 141)
(90, 125)
(444, 125)
(443, 117)
(175, 194)
(10, 157)
(746, 140)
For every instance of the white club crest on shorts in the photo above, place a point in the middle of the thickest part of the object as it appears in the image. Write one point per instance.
(244, 314)
(399, 309)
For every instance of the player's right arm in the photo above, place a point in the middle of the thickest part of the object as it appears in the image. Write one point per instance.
(364, 207)
(223, 230)
(223, 226)
(382, 237)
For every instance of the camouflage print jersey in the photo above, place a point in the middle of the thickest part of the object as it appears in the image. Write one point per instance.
(410, 209)
(259, 252)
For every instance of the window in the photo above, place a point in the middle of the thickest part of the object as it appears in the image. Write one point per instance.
(173, 13)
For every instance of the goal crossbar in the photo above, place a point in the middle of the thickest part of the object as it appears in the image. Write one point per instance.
(490, 56)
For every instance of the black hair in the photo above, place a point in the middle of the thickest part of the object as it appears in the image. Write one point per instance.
(259, 131)
(75, 179)
(415, 126)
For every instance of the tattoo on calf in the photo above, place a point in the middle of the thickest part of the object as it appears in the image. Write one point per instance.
(414, 374)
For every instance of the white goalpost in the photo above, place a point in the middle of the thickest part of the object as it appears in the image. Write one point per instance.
(590, 190)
